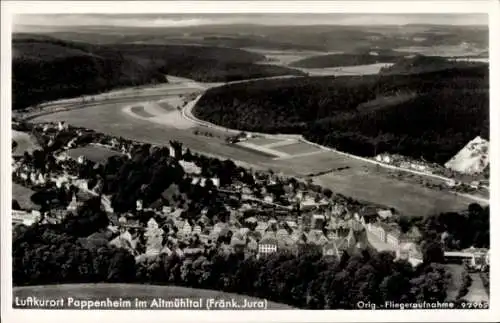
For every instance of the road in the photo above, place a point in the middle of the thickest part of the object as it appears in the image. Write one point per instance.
(187, 112)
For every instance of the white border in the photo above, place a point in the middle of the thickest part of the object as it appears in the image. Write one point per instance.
(39, 7)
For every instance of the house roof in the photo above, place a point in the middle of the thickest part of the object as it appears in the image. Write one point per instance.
(268, 240)
(269, 235)
(384, 213)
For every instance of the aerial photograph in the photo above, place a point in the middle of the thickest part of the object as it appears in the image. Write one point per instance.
(250, 161)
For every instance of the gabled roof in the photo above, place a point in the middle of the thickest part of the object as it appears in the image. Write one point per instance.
(268, 240)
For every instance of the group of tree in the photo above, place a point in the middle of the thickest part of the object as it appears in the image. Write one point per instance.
(41, 250)
(454, 230)
(430, 115)
(45, 68)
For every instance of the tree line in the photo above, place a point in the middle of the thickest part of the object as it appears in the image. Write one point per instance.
(425, 115)
(45, 68)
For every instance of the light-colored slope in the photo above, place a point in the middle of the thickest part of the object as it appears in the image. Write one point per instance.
(472, 159)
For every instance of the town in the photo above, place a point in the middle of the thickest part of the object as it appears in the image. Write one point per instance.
(270, 214)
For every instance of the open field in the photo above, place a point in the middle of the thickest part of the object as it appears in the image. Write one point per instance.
(25, 143)
(263, 141)
(139, 110)
(151, 111)
(168, 106)
(129, 292)
(23, 196)
(94, 153)
(296, 148)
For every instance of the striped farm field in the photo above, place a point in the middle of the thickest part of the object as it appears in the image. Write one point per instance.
(139, 110)
(297, 148)
(261, 141)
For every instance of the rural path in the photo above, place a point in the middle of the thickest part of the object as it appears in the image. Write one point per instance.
(477, 292)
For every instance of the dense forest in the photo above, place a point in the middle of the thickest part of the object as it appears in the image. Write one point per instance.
(46, 69)
(430, 115)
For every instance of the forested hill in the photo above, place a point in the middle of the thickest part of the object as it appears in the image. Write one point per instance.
(425, 64)
(46, 68)
(361, 57)
(430, 115)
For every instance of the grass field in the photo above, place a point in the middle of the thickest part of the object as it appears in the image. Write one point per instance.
(23, 196)
(139, 110)
(261, 141)
(94, 153)
(25, 143)
(297, 148)
(129, 292)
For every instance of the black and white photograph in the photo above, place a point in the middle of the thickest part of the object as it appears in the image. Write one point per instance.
(246, 161)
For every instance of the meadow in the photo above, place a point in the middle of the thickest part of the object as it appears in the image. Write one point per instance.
(96, 154)
(25, 143)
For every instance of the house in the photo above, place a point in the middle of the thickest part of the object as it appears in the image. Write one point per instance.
(330, 250)
(73, 205)
(318, 221)
(244, 231)
(292, 225)
(219, 229)
(268, 198)
(337, 209)
(193, 252)
(238, 243)
(252, 246)
(393, 237)
(190, 167)
(378, 231)
(413, 235)
(384, 214)
(186, 228)
(317, 237)
(138, 205)
(354, 225)
(267, 246)
(411, 252)
(261, 227)
(197, 229)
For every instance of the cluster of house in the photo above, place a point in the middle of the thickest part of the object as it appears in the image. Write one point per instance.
(404, 162)
(324, 224)
(251, 236)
